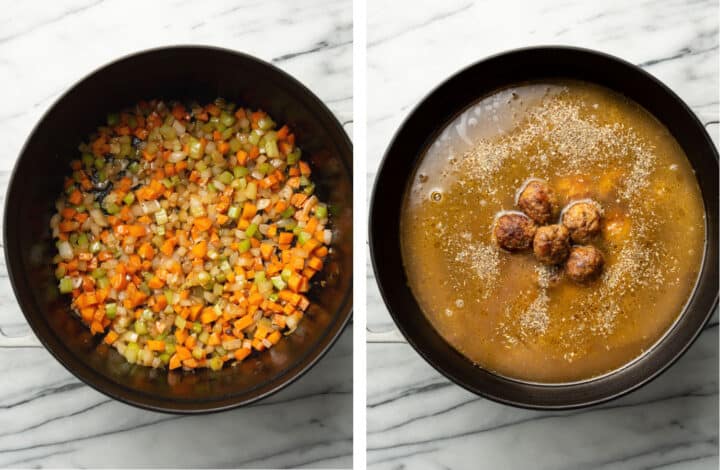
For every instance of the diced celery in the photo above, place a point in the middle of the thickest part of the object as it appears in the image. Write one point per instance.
(233, 212)
(203, 278)
(140, 327)
(225, 177)
(147, 314)
(304, 181)
(227, 119)
(161, 217)
(271, 149)
(288, 212)
(98, 273)
(240, 171)
(103, 283)
(321, 211)
(309, 189)
(278, 282)
(195, 148)
(95, 246)
(164, 357)
(134, 167)
(303, 238)
(251, 191)
(265, 123)
(113, 119)
(66, 285)
(203, 337)
(131, 352)
(244, 245)
(259, 276)
(197, 352)
(170, 345)
(111, 310)
(197, 327)
(285, 274)
(216, 363)
(293, 157)
(251, 230)
(264, 168)
(82, 241)
(88, 159)
(274, 297)
(180, 322)
(112, 208)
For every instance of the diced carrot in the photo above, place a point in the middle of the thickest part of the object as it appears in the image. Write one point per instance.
(285, 238)
(243, 322)
(87, 314)
(315, 263)
(155, 283)
(175, 361)
(241, 157)
(156, 345)
(96, 327)
(304, 168)
(242, 353)
(213, 339)
(202, 223)
(199, 250)
(274, 337)
(68, 226)
(68, 213)
(182, 352)
(249, 210)
(296, 282)
(266, 250)
(111, 337)
(208, 315)
(146, 251)
(168, 246)
(181, 336)
(213, 109)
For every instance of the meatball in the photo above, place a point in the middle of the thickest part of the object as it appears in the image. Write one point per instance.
(538, 201)
(551, 244)
(582, 219)
(514, 231)
(584, 263)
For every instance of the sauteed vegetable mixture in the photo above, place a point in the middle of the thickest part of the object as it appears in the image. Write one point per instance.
(189, 235)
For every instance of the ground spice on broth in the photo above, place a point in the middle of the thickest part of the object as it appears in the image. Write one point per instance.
(508, 313)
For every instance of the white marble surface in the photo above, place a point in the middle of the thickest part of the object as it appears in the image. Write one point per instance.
(48, 418)
(416, 418)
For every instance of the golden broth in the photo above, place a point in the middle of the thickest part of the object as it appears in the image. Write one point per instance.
(505, 311)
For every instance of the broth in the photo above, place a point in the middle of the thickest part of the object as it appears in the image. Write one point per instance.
(505, 311)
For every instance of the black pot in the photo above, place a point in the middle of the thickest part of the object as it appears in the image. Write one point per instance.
(202, 74)
(419, 130)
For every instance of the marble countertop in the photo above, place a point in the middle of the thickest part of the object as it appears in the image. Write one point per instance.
(47, 417)
(416, 418)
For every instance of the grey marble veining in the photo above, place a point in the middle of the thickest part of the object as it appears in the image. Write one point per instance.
(47, 417)
(416, 418)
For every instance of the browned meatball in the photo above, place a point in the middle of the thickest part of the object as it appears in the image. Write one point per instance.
(551, 244)
(538, 201)
(584, 264)
(514, 231)
(582, 219)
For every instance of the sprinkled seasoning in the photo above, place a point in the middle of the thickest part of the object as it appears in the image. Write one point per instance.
(527, 320)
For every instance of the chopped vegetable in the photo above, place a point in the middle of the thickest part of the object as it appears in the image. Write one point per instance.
(188, 235)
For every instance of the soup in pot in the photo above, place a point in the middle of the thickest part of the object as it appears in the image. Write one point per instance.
(564, 296)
